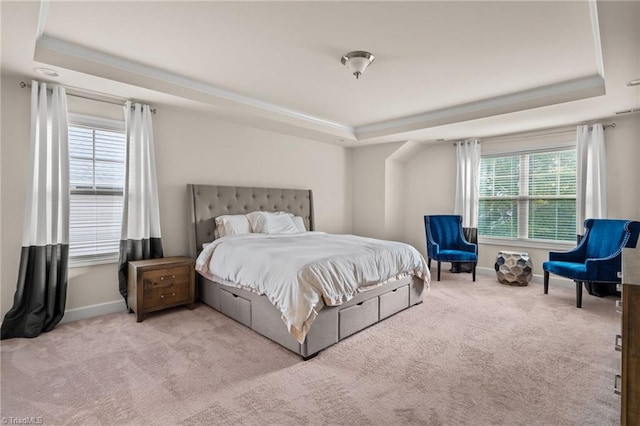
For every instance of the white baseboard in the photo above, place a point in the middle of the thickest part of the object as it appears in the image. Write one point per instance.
(538, 279)
(94, 311)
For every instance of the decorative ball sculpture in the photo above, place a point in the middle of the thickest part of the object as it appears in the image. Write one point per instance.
(513, 268)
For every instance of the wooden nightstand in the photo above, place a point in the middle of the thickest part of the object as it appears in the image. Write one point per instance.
(157, 284)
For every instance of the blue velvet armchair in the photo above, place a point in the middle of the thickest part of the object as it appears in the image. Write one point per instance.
(446, 242)
(598, 256)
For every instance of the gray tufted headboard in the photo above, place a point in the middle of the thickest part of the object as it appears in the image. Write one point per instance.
(206, 202)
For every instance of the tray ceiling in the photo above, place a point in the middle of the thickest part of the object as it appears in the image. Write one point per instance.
(276, 65)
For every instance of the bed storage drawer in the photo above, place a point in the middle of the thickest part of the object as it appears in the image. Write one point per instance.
(416, 289)
(356, 317)
(235, 307)
(210, 293)
(394, 301)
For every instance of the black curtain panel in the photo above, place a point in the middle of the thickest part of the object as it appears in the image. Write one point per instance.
(40, 298)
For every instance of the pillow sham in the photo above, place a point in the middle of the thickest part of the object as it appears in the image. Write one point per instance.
(232, 225)
(299, 222)
(272, 223)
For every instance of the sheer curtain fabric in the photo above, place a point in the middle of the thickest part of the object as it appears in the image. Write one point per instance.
(41, 291)
(141, 237)
(467, 182)
(591, 174)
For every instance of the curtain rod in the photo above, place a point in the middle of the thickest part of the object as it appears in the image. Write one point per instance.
(532, 134)
(98, 97)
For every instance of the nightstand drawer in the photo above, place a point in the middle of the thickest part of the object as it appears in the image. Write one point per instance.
(160, 296)
(163, 278)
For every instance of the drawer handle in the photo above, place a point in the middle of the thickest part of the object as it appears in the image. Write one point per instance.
(162, 296)
(359, 304)
(617, 385)
(173, 294)
(618, 344)
(167, 277)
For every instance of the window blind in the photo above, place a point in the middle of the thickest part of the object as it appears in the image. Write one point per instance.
(96, 179)
(552, 190)
(531, 196)
(498, 200)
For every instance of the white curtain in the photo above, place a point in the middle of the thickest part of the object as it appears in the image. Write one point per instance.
(591, 174)
(41, 292)
(141, 237)
(467, 182)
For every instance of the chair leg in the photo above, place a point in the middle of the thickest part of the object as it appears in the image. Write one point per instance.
(579, 294)
(438, 270)
(546, 282)
(429, 262)
(473, 272)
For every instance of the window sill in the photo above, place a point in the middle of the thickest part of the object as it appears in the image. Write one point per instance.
(93, 261)
(524, 243)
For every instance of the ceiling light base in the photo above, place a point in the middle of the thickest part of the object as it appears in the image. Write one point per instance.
(357, 61)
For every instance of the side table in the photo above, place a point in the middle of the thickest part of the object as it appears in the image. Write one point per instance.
(513, 268)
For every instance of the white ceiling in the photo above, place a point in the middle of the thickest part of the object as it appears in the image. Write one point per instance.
(443, 70)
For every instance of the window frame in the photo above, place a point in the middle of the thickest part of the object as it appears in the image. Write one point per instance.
(523, 207)
(104, 124)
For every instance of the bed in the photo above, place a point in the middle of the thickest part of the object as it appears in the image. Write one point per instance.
(331, 323)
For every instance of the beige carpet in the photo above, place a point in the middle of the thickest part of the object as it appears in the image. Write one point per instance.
(474, 353)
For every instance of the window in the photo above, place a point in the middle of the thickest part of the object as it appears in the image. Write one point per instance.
(96, 180)
(529, 196)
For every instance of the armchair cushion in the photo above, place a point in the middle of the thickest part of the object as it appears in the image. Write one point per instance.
(571, 270)
(456, 256)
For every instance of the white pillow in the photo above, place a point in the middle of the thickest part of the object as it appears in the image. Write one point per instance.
(272, 223)
(299, 222)
(232, 225)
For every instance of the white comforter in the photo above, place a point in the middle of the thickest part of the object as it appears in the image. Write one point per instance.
(298, 272)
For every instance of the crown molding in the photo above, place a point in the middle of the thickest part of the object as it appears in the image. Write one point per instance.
(552, 94)
(62, 53)
(42, 17)
(595, 30)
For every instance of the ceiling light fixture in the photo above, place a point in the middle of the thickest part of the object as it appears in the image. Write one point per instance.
(48, 72)
(635, 82)
(357, 61)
